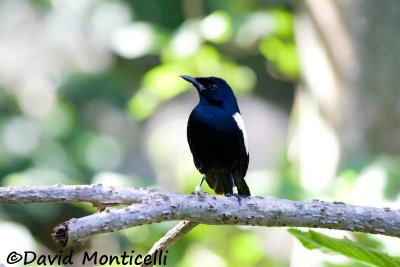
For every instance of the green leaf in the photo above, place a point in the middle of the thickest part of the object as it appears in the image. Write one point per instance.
(282, 54)
(346, 247)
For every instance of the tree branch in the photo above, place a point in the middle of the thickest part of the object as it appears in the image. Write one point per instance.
(153, 206)
(97, 194)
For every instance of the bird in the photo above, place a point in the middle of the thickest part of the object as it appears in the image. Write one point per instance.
(217, 137)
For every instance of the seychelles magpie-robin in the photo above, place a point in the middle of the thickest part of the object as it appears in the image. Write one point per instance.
(217, 137)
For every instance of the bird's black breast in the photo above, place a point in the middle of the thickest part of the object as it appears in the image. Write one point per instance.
(212, 136)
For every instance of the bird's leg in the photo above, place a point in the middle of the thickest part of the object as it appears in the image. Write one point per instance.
(234, 190)
(197, 189)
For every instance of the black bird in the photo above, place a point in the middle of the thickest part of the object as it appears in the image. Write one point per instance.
(217, 137)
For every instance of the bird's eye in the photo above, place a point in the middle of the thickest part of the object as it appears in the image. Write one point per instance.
(212, 87)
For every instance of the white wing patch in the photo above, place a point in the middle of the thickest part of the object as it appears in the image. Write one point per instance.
(240, 123)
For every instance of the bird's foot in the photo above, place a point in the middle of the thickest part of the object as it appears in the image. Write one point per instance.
(239, 197)
(236, 194)
(197, 189)
(200, 195)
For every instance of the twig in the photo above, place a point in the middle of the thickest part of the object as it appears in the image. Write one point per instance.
(173, 235)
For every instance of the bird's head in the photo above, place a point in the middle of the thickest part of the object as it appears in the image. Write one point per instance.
(212, 89)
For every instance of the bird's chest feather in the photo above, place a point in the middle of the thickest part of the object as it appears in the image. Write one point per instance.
(212, 134)
(211, 125)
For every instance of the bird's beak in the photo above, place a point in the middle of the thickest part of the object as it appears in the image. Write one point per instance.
(193, 81)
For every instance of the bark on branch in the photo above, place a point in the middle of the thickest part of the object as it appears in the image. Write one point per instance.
(148, 206)
(96, 194)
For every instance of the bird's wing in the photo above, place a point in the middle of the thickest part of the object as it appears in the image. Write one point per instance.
(192, 149)
(243, 157)
(241, 138)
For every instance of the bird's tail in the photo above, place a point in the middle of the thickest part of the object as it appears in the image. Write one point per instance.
(221, 184)
(243, 188)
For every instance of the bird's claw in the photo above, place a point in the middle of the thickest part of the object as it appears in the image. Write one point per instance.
(199, 193)
(197, 190)
(239, 197)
